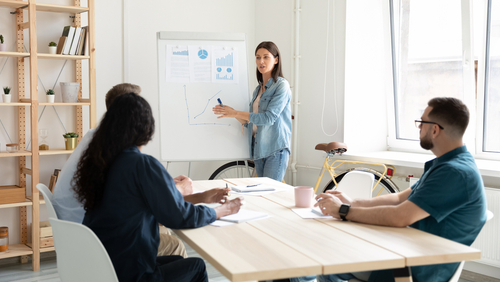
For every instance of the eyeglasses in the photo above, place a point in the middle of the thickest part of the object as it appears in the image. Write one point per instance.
(419, 122)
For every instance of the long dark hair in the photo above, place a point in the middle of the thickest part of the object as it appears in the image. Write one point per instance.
(273, 49)
(129, 121)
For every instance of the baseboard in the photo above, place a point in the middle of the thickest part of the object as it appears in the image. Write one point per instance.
(482, 269)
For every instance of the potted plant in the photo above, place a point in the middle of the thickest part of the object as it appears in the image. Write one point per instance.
(50, 96)
(71, 140)
(3, 46)
(52, 47)
(6, 95)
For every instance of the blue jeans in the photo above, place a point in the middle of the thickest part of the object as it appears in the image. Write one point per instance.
(273, 166)
(341, 277)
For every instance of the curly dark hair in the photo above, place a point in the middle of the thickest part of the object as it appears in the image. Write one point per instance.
(128, 122)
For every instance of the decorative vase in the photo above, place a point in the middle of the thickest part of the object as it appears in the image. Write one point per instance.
(69, 91)
(7, 98)
(50, 98)
(3, 47)
(71, 143)
(52, 49)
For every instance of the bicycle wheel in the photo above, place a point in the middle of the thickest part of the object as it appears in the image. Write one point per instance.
(236, 169)
(386, 185)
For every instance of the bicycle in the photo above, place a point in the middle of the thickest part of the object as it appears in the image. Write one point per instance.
(244, 169)
(235, 169)
(338, 148)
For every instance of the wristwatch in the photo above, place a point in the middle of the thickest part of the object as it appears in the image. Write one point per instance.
(344, 209)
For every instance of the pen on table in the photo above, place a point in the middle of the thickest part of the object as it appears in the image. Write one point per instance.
(253, 185)
(220, 102)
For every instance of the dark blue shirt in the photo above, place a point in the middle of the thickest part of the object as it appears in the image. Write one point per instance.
(451, 191)
(139, 194)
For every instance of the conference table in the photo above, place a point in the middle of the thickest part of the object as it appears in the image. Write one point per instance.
(285, 245)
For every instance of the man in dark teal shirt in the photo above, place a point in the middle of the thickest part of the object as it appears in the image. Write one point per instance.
(447, 201)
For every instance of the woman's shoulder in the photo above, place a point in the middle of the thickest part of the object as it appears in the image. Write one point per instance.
(281, 84)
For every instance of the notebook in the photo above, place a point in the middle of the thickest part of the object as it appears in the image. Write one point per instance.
(243, 216)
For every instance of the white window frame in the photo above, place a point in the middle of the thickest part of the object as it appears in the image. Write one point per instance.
(473, 137)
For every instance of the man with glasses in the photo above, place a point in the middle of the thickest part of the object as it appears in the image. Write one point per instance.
(448, 200)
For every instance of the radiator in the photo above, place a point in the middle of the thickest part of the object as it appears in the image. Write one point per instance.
(488, 240)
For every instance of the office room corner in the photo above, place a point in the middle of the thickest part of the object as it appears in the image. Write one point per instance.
(251, 140)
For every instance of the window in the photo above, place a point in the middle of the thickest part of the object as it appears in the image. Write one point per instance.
(491, 133)
(433, 43)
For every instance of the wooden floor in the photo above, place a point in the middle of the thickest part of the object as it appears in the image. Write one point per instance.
(17, 272)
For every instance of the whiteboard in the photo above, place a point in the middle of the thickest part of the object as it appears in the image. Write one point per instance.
(188, 128)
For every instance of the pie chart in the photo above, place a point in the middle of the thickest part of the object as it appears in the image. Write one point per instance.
(203, 54)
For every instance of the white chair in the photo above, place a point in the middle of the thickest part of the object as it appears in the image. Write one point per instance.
(357, 184)
(81, 257)
(47, 196)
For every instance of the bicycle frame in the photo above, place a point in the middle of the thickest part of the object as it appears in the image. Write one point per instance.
(329, 165)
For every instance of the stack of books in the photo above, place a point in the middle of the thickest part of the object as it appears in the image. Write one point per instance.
(72, 41)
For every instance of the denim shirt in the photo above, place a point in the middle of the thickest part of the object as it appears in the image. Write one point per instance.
(274, 119)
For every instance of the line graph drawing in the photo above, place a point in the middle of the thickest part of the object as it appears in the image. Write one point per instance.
(202, 123)
(207, 104)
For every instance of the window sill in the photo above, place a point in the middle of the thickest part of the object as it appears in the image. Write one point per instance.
(415, 160)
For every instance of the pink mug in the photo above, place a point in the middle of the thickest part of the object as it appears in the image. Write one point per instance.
(304, 196)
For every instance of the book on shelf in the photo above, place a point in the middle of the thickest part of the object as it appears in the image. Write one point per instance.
(76, 38)
(60, 45)
(80, 49)
(70, 34)
(53, 179)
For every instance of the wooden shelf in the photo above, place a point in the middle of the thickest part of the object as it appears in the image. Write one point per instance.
(12, 4)
(20, 153)
(27, 202)
(14, 104)
(43, 250)
(42, 201)
(14, 54)
(64, 104)
(55, 152)
(61, 57)
(60, 8)
(16, 250)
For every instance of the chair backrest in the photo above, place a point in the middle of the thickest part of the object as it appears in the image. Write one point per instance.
(458, 272)
(80, 254)
(357, 184)
(47, 196)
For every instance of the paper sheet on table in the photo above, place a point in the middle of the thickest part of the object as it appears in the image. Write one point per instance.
(221, 223)
(309, 213)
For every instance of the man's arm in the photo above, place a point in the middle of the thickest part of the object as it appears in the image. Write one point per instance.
(389, 210)
(401, 215)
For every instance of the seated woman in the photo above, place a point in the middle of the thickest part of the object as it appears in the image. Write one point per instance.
(126, 194)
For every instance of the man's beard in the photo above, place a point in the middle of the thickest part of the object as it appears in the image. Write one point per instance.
(426, 142)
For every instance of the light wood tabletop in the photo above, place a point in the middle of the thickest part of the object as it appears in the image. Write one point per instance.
(285, 245)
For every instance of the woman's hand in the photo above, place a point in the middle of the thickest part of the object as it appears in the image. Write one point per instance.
(224, 112)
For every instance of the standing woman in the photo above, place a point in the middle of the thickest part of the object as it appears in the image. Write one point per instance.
(269, 121)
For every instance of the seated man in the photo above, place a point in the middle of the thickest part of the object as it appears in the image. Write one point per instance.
(448, 200)
(68, 208)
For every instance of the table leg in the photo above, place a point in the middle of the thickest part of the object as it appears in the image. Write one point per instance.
(402, 275)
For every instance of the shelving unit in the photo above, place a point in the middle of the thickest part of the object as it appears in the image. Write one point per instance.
(31, 104)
